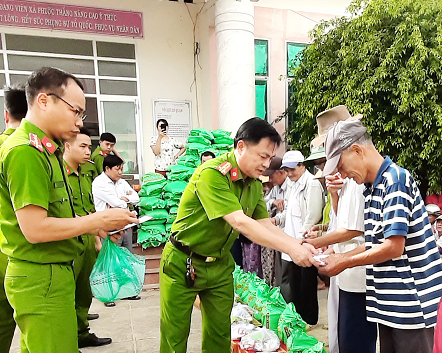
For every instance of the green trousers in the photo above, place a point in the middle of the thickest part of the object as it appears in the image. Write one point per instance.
(42, 296)
(214, 285)
(83, 295)
(7, 323)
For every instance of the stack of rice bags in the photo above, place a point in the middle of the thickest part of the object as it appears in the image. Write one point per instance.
(274, 313)
(172, 194)
(159, 197)
(153, 232)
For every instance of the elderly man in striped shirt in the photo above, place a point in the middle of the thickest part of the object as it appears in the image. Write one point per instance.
(404, 269)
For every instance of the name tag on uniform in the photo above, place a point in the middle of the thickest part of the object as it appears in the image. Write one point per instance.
(59, 184)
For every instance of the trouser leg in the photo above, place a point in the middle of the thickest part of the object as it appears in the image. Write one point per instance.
(268, 265)
(278, 268)
(291, 283)
(126, 240)
(332, 313)
(356, 334)
(307, 300)
(43, 297)
(176, 301)
(406, 341)
(83, 294)
(7, 323)
(216, 306)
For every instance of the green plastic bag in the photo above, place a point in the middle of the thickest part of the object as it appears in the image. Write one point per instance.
(199, 139)
(224, 140)
(153, 178)
(117, 273)
(156, 215)
(169, 197)
(152, 189)
(189, 161)
(175, 187)
(179, 177)
(195, 148)
(152, 235)
(289, 320)
(201, 132)
(171, 218)
(221, 133)
(151, 203)
(299, 341)
(173, 210)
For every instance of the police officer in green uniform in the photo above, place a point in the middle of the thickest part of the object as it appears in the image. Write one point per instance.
(222, 199)
(15, 110)
(107, 146)
(38, 228)
(76, 155)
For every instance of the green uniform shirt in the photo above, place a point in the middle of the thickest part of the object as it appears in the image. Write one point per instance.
(5, 134)
(208, 197)
(81, 185)
(32, 173)
(98, 158)
(89, 169)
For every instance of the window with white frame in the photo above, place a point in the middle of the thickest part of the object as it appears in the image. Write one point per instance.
(108, 72)
(261, 77)
(292, 50)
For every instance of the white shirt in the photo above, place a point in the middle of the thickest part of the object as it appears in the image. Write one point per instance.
(277, 193)
(293, 219)
(108, 194)
(167, 152)
(350, 216)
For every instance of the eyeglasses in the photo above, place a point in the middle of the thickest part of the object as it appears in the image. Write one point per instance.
(78, 113)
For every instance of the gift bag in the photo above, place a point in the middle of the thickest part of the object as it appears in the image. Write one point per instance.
(117, 273)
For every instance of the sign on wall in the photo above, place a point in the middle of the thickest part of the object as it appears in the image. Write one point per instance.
(74, 18)
(177, 114)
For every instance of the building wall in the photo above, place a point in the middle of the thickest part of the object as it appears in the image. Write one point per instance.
(165, 55)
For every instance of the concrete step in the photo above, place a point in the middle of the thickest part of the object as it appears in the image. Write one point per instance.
(153, 261)
(137, 249)
(153, 258)
(152, 276)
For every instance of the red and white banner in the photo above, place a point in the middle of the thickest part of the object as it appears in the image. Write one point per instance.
(43, 15)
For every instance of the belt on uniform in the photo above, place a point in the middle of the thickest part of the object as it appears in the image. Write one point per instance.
(185, 249)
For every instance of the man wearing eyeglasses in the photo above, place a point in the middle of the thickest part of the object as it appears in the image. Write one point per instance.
(38, 227)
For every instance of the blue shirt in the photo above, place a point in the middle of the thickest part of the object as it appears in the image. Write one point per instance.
(403, 292)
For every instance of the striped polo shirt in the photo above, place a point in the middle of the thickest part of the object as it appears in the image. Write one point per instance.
(404, 292)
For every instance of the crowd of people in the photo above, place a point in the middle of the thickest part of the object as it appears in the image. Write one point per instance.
(345, 212)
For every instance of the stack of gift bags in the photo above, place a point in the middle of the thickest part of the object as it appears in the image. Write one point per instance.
(201, 140)
(153, 232)
(271, 310)
(160, 197)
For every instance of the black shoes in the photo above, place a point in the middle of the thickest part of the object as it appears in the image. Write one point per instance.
(109, 304)
(92, 317)
(135, 297)
(93, 341)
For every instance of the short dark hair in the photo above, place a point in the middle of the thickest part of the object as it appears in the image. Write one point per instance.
(162, 121)
(107, 136)
(48, 79)
(111, 161)
(15, 101)
(255, 129)
(85, 131)
(207, 153)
